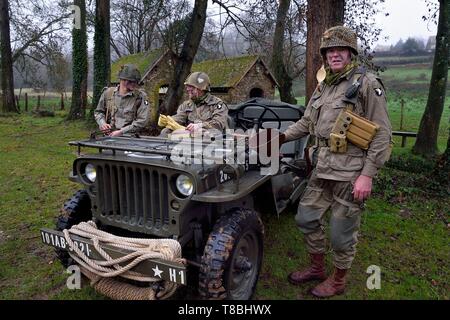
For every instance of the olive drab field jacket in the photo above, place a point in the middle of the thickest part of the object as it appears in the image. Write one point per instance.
(212, 112)
(129, 113)
(320, 116)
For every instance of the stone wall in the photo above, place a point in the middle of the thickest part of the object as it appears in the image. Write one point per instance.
(256, 78)
(159, 76)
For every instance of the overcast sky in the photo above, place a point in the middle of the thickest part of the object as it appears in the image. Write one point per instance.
(405, 20)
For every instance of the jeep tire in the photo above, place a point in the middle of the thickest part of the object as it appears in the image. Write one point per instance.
(232, 257)
(75, 210)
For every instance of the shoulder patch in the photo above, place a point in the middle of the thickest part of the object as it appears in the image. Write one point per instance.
(378, 91)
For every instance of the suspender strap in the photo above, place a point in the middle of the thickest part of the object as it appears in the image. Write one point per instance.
(351, 94)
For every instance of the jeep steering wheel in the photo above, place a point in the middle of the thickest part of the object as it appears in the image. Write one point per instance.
(249, 124)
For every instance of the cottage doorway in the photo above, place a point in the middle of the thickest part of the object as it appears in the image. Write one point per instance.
(256, 93)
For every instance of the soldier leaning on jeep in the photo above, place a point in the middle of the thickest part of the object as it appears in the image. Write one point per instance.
(202, 110)
(342, 178)
(123, 109)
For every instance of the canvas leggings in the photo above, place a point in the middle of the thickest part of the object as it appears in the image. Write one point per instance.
(319, 196)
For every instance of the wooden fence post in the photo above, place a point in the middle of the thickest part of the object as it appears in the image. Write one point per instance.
(38, 103)
(402, 110)
(26, 102)
(62, 101)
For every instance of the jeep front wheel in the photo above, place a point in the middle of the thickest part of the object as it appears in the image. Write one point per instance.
(75, 210)
(232, 258)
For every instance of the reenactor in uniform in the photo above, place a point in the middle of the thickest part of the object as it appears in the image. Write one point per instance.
(123, 109)
(345, 163)
(202, 111)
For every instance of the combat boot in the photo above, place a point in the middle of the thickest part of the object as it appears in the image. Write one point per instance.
(333, 285)
(316, 271)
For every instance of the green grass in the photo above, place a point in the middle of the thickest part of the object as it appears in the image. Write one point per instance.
(36, 160)
(409, 242)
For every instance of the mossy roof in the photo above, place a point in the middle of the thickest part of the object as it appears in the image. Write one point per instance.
(142, 60)
(226, 72)
(223, 73)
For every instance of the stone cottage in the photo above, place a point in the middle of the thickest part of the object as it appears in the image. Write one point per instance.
(234, 79)
(237, 79)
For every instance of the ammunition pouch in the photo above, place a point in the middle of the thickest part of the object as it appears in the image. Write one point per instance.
(361, 131)
(338, 143)
(354, 128)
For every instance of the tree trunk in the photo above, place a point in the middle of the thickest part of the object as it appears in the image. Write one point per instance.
(186, 58)
(80, 66)
(278, 66)
(442, 169)
(102, 56)
(8, 101)
(321, 15)
(426, 142)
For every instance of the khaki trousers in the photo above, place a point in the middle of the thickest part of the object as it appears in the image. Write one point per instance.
(321, 195)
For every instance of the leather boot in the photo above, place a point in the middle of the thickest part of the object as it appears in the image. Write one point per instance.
(333, 285)
(316, 271)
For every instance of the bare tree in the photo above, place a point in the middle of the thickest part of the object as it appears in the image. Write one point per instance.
(275, 30)
(58, 71)
(173, 31)
(278, 65)
(426, 142)
(134, 24)
(8, 100)
(37, 25)
(186, 57)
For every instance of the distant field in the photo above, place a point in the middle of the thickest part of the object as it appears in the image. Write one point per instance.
(397, 60)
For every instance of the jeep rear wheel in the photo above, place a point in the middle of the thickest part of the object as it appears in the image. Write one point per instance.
(75, 210)
(232, 258)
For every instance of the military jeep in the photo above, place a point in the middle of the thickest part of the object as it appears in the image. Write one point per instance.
(132, 187)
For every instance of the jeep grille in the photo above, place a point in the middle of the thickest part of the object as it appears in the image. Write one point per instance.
(133, 196)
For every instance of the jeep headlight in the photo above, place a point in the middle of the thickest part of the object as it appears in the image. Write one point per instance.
(184, 185)
(90, 172)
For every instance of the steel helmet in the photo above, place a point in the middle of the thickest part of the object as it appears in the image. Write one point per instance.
(198, 80)
(129, 72)
(339, 36)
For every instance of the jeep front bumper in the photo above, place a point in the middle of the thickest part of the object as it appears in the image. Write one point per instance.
(156, 268)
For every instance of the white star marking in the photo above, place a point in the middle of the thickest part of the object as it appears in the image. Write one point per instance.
(157, 271)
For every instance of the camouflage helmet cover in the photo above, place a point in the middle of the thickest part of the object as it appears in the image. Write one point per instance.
(339, 36)
(129, 72)
(199, 80)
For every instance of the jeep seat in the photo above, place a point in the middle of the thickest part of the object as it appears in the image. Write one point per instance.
(287, 115)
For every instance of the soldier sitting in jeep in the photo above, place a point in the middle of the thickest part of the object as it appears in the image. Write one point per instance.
(123, 109)
(202, 110)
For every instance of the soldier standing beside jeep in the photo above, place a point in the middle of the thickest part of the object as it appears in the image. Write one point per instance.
(342, 177)
(123, 109)
(202, 110)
